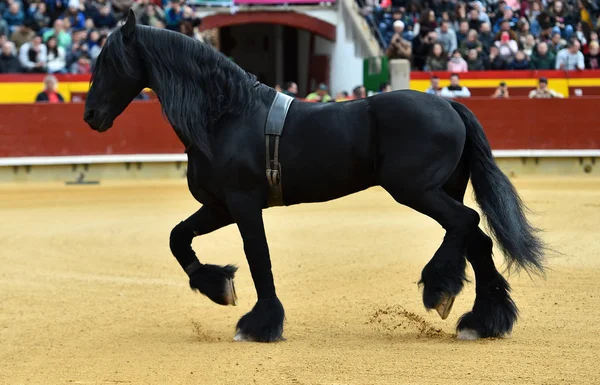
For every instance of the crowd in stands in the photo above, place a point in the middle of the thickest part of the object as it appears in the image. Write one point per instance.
(461, 36)
(54, 36)
(321, 92)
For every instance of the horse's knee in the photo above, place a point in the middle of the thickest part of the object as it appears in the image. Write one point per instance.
(181, 237)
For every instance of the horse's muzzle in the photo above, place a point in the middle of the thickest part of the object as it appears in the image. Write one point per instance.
(96, 120)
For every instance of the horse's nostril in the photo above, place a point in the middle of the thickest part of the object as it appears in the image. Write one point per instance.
(88, 115)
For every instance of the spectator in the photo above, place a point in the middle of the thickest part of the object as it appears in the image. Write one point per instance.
(474, 62)
(399, 48)
(320, 94)
(342, 96)
(39, 15)
(447, 37)
(56, 57)
(557, 43)
(455, 90)
(95, 50)
(462, 33)
(62, 36)
(428, 22)
(486, 37)
(14, 16)
(543, 92)
(187, 28)
(522, 31)
(457, 63)
(74, 16)
(592, 59)
(385, 87)
(495, 61)
(359, 92)
(570, 58)
(563, 22)
(520, 62)
(542, 58)
(434, 87)
(471, 43)
(50, 93)
(9, 63)
(105, 18)
(23, 34)
(173, 15)
(507, 47)
(190, 16)
(83, 65)
(422, 45)
(437, 59)
(501, 92)
(120, 7)
(32, 55)
(290, 89)
(529, 45)
(152, 16)
(3, 27)
(507, 17)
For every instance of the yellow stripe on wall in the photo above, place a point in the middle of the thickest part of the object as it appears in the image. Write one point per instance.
(27, 92)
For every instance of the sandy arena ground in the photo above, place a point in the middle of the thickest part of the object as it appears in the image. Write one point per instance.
(90, 294)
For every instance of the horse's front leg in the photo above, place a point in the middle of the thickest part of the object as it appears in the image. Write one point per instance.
(264, 323)
(216, 282)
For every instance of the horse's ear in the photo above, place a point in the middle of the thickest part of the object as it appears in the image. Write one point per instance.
(128, 29)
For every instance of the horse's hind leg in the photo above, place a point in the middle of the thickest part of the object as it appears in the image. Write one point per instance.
(216, 282)
(443, 277)
(494, 312)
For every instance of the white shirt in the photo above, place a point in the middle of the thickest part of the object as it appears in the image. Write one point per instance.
(569, 61)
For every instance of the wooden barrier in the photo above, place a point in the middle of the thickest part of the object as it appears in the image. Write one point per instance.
(58, 129)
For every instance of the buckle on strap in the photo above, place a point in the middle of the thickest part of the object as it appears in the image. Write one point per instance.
(273, 130)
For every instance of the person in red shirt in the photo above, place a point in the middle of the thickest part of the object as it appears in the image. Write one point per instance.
(50, 94)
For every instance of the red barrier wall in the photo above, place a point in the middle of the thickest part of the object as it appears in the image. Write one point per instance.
(557, 124)
(58, 129)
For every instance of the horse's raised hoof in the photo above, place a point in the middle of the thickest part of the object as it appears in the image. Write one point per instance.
(445, 306)
(264, 323)
(230, 295)
(215, 282)
(468, 335)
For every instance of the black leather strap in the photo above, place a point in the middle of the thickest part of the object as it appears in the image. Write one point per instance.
(273, 130)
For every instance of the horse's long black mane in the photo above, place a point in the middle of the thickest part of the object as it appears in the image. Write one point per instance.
(196, 84)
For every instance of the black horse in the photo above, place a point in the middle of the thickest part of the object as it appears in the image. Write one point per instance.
(420, 148)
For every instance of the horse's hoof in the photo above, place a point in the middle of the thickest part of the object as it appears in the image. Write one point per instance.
(230, 295)
(468, 335)
(239, 336)
(443, 308)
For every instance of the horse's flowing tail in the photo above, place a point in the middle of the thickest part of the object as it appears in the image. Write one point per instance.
(499, 200)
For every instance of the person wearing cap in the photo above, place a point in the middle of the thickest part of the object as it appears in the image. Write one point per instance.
(320, 95)
(399, 48)
(501, 92)
(543, 92)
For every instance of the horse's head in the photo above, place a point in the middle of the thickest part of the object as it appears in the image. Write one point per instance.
(118, 77)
